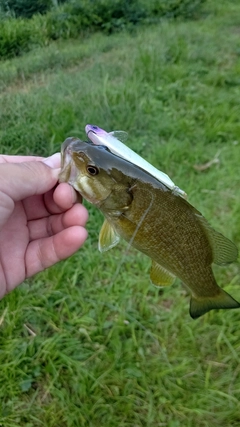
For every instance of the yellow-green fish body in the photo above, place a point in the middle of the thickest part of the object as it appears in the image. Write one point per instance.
(153, 219)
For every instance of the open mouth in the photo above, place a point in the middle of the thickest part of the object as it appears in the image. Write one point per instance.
(68, 168)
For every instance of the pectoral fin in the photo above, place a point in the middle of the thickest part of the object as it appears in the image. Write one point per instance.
(108, 238)
(200, 306)
(160, 276)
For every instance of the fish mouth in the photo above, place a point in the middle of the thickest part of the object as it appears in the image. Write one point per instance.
(69, 170)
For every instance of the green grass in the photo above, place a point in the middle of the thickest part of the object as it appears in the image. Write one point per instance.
(76, 19)
(87, 343)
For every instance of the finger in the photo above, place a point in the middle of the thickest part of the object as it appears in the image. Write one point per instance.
(35, 206)
(61, 198)
(65, 196)
(48, 251)
(19, 159)
(21, 180)
(48, 226)
(53, 161)
(55, 201)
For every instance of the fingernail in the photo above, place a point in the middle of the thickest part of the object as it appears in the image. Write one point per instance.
(53, 161)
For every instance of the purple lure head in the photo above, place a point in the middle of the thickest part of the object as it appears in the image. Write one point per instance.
(95, 129)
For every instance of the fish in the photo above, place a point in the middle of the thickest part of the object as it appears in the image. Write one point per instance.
(114, 141)
(149, 216)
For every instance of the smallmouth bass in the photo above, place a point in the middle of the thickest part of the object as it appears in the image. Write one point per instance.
(152, 218)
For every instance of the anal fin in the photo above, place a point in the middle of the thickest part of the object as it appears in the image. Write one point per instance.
(160, 276)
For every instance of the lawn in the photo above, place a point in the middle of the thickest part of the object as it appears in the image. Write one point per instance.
(90, 342)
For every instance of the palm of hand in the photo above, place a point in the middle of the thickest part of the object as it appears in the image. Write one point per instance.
(40, 231)
(14, 239)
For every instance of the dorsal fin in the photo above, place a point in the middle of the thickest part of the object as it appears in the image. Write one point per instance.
(224, 251)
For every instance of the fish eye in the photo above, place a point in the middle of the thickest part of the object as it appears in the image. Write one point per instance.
(92, 170)
(94, 127)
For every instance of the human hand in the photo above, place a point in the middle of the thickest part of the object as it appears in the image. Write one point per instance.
(40, 224)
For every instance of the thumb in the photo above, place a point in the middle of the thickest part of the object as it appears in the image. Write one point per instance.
(21, 180)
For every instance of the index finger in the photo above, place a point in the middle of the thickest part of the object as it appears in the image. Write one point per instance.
(53, 161)
(19, 159)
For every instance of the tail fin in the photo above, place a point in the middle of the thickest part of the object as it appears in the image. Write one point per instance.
(201, 305)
